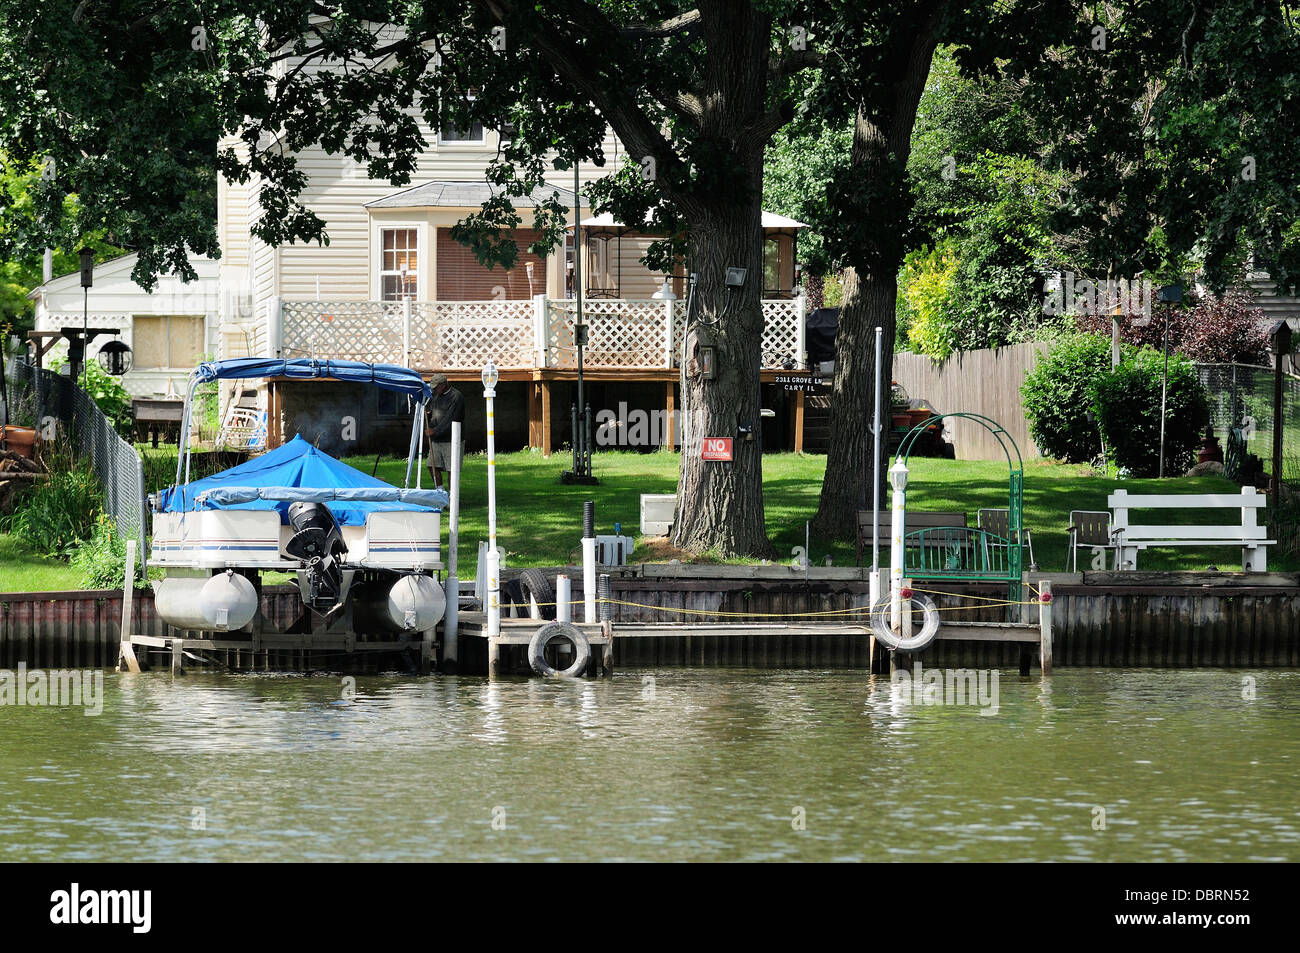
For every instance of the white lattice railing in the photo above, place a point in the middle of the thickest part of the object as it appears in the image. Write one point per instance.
(464, 335)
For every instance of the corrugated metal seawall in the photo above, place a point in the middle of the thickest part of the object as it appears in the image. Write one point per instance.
(1095, 622)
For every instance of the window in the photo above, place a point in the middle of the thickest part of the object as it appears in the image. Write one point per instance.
(399, 265)
(452, 134)
(461, 277)
(163, 341)
(774, 267)
(393, 404)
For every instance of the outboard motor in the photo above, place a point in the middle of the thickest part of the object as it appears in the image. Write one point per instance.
(316, 539)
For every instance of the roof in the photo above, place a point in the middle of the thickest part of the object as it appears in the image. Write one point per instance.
(449, 194)
(770, 220)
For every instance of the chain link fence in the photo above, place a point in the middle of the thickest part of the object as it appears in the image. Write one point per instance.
(1241, 410)
(54, 400)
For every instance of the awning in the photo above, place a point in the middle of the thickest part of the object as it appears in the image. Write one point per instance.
(452, 194)
(388, 376)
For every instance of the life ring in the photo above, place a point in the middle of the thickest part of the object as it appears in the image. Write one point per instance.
(929, 629)
(548, 634)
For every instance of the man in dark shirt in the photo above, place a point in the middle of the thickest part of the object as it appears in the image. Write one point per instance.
(445, 408)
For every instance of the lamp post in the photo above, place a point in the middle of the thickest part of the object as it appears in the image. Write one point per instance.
(490, 378)
(87, 256)
(1279, 342)
(898, 480)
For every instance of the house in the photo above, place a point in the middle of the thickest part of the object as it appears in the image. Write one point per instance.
(169, 330)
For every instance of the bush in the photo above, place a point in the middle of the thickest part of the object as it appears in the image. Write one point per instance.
(1127, 404)
(58, 513)
(1226, 330)
(101, 560)
(1057, 401)
(107, 392)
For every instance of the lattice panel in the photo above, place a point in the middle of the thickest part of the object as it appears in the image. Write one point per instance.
(467, 334)
(780, 333)
(345, 330)
(620, 333)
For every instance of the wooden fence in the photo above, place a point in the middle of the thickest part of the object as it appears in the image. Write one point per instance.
(981, 382)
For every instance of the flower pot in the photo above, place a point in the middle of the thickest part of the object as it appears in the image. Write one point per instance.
(920, 415)
(902, 420)
(19, 440)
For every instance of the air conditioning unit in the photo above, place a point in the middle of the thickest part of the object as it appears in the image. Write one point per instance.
(657, 512)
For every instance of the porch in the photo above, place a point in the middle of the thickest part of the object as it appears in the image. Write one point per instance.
(636, 341)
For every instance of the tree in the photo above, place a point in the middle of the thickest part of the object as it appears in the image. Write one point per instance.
(695, 95)
(1175, 125)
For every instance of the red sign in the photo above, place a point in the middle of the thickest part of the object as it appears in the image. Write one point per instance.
(716, 448)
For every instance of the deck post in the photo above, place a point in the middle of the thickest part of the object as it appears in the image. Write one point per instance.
(126, 660)
(178, 656)
(546, 419)
(670, 306)
(798, 421)
(1045, 626)
(539, 328)
(670, 410)
(801, 316)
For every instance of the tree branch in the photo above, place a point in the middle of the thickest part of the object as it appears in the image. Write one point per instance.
(658, 31)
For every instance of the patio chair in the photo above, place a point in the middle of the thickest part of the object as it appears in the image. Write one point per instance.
(1090, 529)
(998, 522)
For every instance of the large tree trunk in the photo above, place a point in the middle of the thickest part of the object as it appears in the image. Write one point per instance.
(720, 504)
(846, 487)
(881, 145)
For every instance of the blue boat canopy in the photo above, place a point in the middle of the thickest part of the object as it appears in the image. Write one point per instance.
(389, 376)
(297, 471)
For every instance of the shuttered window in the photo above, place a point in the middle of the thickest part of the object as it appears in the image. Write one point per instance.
(462, 278)
(166, 341)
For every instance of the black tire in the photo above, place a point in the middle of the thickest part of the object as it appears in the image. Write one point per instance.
(512, 594)
(548, 634)
(533, 582)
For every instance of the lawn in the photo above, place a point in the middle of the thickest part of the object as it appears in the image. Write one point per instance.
(22, 570)
(540, 520)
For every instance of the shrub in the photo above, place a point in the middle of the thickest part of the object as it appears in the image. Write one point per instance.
(1127, 404)
(107, 392)
(1057, 401)
(1224, 330)
(58, 513)
(101, 560)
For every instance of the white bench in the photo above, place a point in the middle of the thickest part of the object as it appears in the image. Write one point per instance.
(1249, 535)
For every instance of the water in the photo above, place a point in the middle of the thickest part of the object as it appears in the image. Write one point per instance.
(709, 765)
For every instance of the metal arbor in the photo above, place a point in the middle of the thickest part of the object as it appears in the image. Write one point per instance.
(960, 552)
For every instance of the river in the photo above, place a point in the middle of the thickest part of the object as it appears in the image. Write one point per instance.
(679, 764)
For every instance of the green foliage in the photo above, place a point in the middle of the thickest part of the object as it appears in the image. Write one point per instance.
(1057, 398)
(100, 562)
(1127, 403)
(925, 297)
(796, 168)
(57, 514)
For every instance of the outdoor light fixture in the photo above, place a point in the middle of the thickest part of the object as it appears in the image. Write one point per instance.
(798, 277)
(665, 292)
(898, 476)
(115, 358)
(736, 277)
(490, 378)
(1171, 294)
(87, 256)
(708, 355)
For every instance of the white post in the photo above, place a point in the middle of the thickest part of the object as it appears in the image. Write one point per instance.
(539, 328)
(451, 621)
(875, 465)
(589, 578)
(563, 598)
(406, 330)
(493, 554)
(898, 479)
(670, 306)
(126, 656)
(274, 327)
(1045, 626)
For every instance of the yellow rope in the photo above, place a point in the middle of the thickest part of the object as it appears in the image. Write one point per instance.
(822, 613)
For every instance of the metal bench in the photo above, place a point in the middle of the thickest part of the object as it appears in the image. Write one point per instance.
(1249, 535)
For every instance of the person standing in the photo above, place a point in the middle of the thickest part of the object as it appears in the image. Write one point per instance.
(447, 407)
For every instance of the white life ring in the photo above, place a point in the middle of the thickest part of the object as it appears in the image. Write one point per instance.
(929, 629)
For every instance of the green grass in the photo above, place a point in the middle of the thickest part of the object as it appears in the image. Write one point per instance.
(539, 520)
(22, 570)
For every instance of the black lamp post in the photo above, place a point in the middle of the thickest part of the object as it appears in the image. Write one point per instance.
(1279, 342)
(87, 256)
